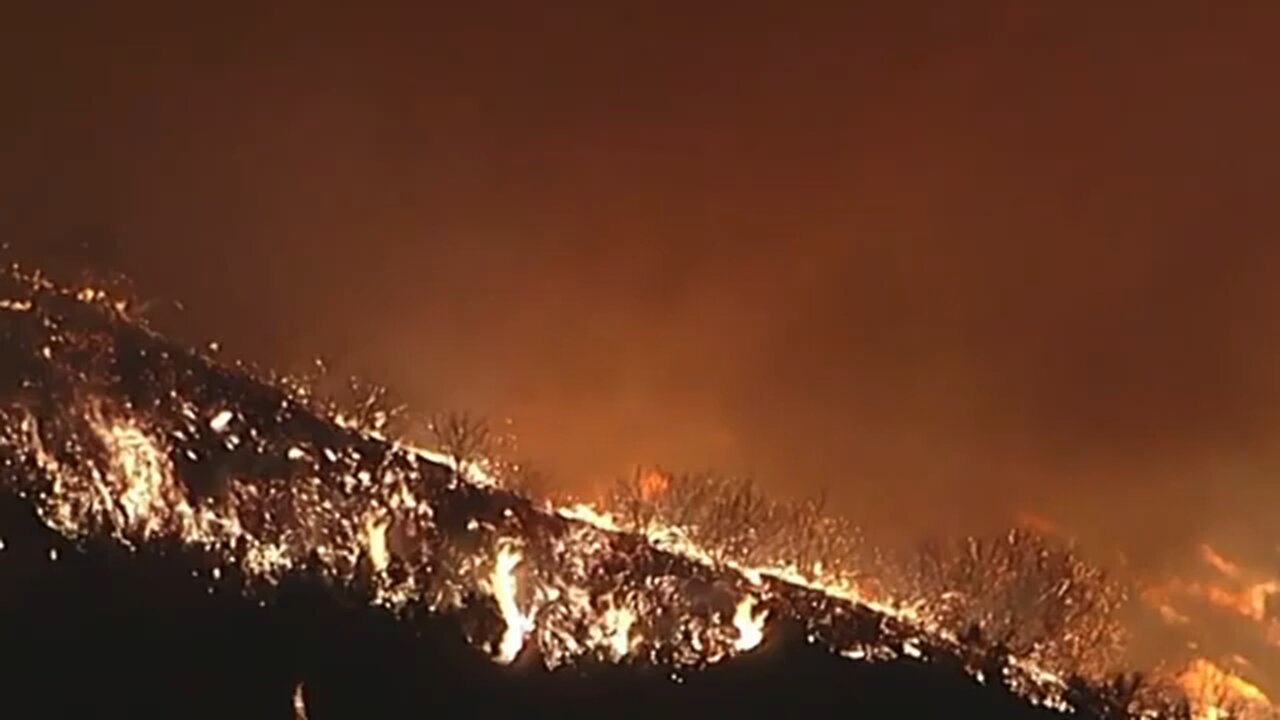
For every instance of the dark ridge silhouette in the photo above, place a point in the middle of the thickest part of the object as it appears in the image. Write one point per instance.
(102, 632)
(92, 628)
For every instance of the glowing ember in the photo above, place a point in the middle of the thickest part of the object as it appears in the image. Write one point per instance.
(221, 421)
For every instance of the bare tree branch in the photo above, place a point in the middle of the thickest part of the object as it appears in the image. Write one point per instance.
(465, 439)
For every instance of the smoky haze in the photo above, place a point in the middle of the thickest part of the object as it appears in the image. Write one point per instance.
(952, 263)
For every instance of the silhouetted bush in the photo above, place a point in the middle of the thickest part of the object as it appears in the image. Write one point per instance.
(1039, 599)
(733, 521)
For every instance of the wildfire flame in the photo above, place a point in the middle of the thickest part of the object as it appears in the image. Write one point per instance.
(1230, 588)
(1217, 694)
(750, 625)
(287, 492)
(376, 542)
(653, 484)
(505, 587)
(299, 703)
(619, 622)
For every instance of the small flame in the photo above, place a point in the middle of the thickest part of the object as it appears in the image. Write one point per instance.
(618, 621)
(299, 703)
(750, 625)
(653, 484)
(375, 529)
(587, 513)
(1219, 563)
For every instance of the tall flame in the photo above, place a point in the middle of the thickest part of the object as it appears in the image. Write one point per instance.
(376, 537)
(505, 589)
(299, 703)
(749, 623)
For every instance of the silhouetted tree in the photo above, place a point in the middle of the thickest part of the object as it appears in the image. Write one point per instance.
(372, 408)
(732, 520)
(1042, 600)
(465, 439)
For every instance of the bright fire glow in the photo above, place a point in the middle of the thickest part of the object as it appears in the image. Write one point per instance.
(505, 589)
(385, 515)
(1217, 694)
(750, 624)
(376, 537)
(299, 703)
(619, 621)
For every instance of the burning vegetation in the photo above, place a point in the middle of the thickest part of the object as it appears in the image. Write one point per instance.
(1018, 592)
(108, 430)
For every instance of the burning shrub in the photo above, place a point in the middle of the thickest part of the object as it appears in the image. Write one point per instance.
(1022, 593)
(1127, 695)
(465, 439)
(1017, 594)
(1212, 691)
(733, 521)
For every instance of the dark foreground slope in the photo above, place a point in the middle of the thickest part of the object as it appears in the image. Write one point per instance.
(140, 615)
(106, 633)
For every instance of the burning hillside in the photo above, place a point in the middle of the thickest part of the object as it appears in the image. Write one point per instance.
(110, 432)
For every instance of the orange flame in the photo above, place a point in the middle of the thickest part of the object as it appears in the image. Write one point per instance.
(1217, 694)
(653, 484)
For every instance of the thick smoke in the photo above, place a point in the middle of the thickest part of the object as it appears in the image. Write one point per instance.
(953, 266)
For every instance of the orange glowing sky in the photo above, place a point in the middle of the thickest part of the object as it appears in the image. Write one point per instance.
(968, 262)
